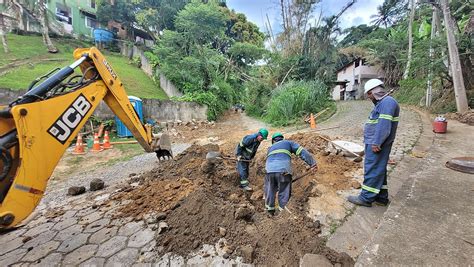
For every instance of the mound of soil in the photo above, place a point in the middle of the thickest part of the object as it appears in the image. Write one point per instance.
(204, 204)
(466, 117)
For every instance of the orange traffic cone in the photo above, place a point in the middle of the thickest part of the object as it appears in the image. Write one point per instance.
(106, 144)
(79, 149)
(312, 121)
(96, 147)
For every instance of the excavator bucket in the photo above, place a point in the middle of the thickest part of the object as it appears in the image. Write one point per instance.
(163, 148)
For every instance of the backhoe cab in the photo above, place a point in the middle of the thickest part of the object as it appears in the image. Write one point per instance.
(39, 126)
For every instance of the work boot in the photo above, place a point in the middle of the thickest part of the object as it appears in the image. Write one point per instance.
(382, 202)
(356, 200)
(247, 188)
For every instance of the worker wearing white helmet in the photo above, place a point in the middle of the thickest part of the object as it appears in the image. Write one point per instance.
(379, 134)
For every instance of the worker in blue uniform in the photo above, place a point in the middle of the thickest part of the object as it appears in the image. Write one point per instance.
(278, 167)
(245, 151)
(379, 134)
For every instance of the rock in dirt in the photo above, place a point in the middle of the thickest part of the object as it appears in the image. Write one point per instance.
(243, 213)
(311, 260)
(355, 184)
(160, 216)
(222, 231)
(317, 224)
(162, 227)
(207, 166)
(97, 184)
(76, 190)
(247, 253)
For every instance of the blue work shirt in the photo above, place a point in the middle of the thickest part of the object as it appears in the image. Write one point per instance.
(279, 156)
(247, 148)
(383, 122)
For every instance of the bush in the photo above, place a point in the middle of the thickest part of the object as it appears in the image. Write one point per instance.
(411, 91)
(258, 96)
(295, 99)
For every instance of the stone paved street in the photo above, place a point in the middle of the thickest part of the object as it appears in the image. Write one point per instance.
(81, 230)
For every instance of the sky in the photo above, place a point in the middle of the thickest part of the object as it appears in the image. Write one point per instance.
(255, 10)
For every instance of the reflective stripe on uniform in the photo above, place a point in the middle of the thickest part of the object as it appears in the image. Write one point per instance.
(278, 151)
(246, 148)
(298, 151)
(269, 208)
(373, 121)
(384, 186)
(389, 117)
(244, 182)
(370, 189)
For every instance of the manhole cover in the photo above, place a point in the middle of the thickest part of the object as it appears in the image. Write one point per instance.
(462, 164)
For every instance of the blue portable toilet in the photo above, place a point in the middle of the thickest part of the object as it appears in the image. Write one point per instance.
(122, 130)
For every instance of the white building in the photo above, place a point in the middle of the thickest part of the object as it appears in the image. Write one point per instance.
(351, 79)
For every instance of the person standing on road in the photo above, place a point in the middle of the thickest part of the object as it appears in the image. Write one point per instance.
(245, 151)
(379, 134)
(278, 166)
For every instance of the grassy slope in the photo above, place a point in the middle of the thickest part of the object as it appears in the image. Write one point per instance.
(136, 82)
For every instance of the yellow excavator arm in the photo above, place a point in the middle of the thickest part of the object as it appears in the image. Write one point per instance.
(37, 128)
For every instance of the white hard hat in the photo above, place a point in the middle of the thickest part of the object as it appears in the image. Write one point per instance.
(371, 84)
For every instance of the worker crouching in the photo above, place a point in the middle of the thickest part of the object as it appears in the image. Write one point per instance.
(245, 151)
(278, 168)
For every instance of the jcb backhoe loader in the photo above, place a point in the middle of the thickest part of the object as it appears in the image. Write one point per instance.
(39, 126)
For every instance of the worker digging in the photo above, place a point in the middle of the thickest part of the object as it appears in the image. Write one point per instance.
(379, 134)
(245, 151)
(278, 167)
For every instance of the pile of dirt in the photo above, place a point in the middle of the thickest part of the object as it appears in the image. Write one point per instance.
(466, 117)
(162, 189)
(204, 204)
(333, 170)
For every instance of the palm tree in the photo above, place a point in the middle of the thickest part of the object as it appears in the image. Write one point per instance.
(389, 12)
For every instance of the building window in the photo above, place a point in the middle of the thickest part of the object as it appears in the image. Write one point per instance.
(63, 13)
(357, 62)
(92, 4)
(90, 22)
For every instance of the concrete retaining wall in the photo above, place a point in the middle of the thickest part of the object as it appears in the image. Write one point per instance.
(162, 110)
(167, 86)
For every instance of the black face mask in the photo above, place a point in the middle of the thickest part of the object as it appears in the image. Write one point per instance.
(375, 101)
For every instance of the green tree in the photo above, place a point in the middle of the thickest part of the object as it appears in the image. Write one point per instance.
(206, 57)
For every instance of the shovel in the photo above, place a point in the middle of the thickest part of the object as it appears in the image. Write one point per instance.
(300, 176)
(358, 157)
(217, 155)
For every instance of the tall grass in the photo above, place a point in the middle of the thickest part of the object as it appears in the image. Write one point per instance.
(295, 99)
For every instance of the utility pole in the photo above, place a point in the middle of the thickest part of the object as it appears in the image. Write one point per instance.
(434, 32)
(410, 39)
(456, 70)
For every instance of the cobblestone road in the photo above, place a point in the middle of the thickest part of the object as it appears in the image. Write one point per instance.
(80, 231)
(351, 116)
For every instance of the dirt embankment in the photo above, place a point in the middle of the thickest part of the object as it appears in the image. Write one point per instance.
(466, 117)
(204, 204)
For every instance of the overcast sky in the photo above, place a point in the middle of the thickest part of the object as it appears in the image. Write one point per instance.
(255, 10)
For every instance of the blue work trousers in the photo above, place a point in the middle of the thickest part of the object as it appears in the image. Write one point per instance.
(243, 169)
(280, 183)
(375, 186)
